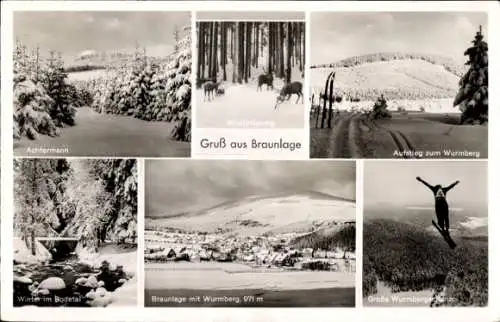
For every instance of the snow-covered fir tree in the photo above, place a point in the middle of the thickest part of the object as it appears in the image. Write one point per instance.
(54, 80)
(151, 89)
(472, 97)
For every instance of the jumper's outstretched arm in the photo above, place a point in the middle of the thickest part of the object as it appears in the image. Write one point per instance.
(425, 183)
(451, 186)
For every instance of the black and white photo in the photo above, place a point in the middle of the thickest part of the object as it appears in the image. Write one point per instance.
(404, 85)
(237, 233)
(425, 234)
(75, 233)
(102, 83)
(250, 73)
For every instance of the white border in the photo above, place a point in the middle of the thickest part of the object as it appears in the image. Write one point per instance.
(218, 314)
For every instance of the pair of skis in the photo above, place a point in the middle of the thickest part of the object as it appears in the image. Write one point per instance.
(446, 236)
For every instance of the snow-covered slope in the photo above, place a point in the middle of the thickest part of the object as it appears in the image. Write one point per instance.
(277, 214)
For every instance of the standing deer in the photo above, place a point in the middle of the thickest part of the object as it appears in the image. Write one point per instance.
(265, 79)
(210, 88)
(287, 91)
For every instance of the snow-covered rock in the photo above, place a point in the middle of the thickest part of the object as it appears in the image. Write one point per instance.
(101, 291)
(81, 281)
(23, 279)
(43, 291)
(100, 284)
(91, 295)
(23, 255)
(127, 260)
(92, 282)
(52, 284)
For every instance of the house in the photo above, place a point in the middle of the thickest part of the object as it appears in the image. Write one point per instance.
(249, 258)
(320, 253)
(330, 254)
(338, 254)
(283, 260)
(307, 252)
(350, 255)
(205, 255)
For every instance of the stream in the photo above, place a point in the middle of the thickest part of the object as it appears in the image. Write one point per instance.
(66, 283)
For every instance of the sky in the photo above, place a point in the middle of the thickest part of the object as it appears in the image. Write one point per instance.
(395, 182)
(177, 186)
(74, 32)
(250, 15)
(335, 36)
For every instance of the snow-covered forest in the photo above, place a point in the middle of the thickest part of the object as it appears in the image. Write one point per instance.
(236, 60)
(71, 218)
(47, 101)
(249, 48)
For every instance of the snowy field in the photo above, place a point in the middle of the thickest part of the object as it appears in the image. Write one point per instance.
(406, 75)
(278, 215)
(90, 74)
(228, 276)
(243, 106)
(108, 135)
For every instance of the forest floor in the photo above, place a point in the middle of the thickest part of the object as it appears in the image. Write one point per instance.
(98, 134)
(275, 287)
(242, 106)
(430, 134)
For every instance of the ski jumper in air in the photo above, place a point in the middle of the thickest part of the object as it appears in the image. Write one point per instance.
(440, 205)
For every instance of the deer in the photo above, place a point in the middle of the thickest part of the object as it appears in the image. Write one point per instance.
(287, 91)
(210, 88)
(266, 78)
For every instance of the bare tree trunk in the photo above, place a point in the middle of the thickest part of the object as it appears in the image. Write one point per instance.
(282, 49)
(209, 47)
(231, 40)
(215, 50)
(224, 50)
(261, 32)
(270, 48)
(302, 46)
(256, 47)
(276, 59)
(289, 53)
(248, 51)
(241, 51)
(236, 35)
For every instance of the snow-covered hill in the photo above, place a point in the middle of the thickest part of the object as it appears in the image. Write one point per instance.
(410, 79)
(264, 214)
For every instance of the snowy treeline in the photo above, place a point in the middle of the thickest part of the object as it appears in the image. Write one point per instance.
(236, 51)
(150, 89)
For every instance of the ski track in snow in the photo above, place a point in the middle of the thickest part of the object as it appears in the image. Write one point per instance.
(243, 103)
